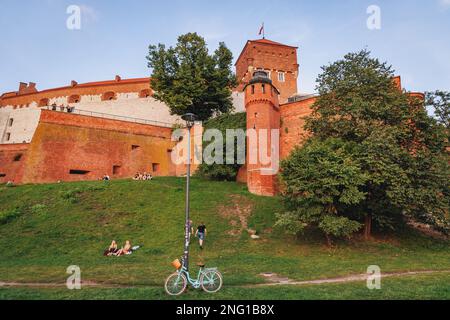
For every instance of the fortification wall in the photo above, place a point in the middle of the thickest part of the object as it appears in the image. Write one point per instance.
(70, 147)
(292, 133)
(12, 159)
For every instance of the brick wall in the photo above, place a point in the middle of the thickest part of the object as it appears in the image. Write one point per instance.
(70, 147)
(12, 159)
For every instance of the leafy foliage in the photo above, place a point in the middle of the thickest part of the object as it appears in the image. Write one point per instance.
(188, 79)
(322, 181)
(394, 146)
(224, 171)
(440, 102)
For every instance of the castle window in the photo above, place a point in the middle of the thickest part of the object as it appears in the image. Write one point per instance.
(155, 167)
(109, 96)
(2, 175)
(281, 76)
(134, 147)
(263, 88)
(8, 136)
(11, 121)
(78, 172)
(253, 89)
(74, 99)
(116, 170)
(17, 157)
(43, 102)
(144, 93)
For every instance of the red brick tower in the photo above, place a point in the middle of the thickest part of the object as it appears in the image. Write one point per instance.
(263, 125)
(277, 59)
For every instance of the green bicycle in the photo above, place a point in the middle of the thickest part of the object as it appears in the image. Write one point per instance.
(209, 279)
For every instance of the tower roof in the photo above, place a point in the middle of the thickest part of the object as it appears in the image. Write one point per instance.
(263, 41)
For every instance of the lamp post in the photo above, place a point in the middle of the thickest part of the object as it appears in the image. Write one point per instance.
(190, 121)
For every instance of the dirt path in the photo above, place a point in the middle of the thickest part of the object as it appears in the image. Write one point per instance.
(275, 281)
(360, 277)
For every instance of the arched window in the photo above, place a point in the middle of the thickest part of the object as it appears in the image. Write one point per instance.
(43, 102)
(109, 96)
(75, 98)
(145, 93)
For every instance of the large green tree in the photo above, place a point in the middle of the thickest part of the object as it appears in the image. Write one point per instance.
(440, 102)
(397, 146)
(189, 79)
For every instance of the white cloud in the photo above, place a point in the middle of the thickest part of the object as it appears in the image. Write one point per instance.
(445, 3)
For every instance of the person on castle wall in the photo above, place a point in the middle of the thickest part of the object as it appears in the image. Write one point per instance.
(201, 233)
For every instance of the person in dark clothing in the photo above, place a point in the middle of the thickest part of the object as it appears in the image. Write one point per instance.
(201, 233)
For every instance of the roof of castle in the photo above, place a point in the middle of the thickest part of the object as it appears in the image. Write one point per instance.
(263, 41)
(31, 95)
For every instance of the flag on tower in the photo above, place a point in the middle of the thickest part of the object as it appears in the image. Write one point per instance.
(261, 31)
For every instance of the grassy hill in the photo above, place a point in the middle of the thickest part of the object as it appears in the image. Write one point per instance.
(46, 228)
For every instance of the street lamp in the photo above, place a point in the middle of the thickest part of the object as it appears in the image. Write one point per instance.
(190, 121)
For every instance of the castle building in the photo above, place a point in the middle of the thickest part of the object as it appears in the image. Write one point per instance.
(116, 127)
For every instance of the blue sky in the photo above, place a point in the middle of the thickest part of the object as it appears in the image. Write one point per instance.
(36, 45)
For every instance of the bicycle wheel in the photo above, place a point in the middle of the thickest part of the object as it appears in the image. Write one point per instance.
(175, 284)
(211, 281)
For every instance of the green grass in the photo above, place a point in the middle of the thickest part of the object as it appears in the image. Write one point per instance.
(46, 228)
(427, 287)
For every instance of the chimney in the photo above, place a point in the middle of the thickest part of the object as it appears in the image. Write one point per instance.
(22, 86)
(32, 86)
(118, 78)
(73, 83)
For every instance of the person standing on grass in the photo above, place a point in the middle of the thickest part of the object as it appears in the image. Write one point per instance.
(201, 233)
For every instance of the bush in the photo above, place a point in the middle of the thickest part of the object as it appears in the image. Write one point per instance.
(223, 171)
(8, 216)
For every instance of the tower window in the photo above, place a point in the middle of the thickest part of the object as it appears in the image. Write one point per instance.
(8, 136)
(281, 76)
(253, 89)
(11, 121)
(263, 88)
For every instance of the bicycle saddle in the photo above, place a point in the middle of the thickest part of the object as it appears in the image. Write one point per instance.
(201, 264)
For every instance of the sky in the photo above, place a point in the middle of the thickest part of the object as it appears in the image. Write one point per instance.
(37, 46)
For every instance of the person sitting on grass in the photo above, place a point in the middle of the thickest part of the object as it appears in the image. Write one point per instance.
(112, 250)
(125, 249)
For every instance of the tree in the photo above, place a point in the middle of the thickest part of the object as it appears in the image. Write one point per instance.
(397, 146)
(188, 79)
(223, 123)
(322, 183)
(440, 102)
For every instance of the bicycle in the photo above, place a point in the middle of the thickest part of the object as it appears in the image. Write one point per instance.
(209, 279)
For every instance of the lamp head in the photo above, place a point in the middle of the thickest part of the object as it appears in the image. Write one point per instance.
(190, 119)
